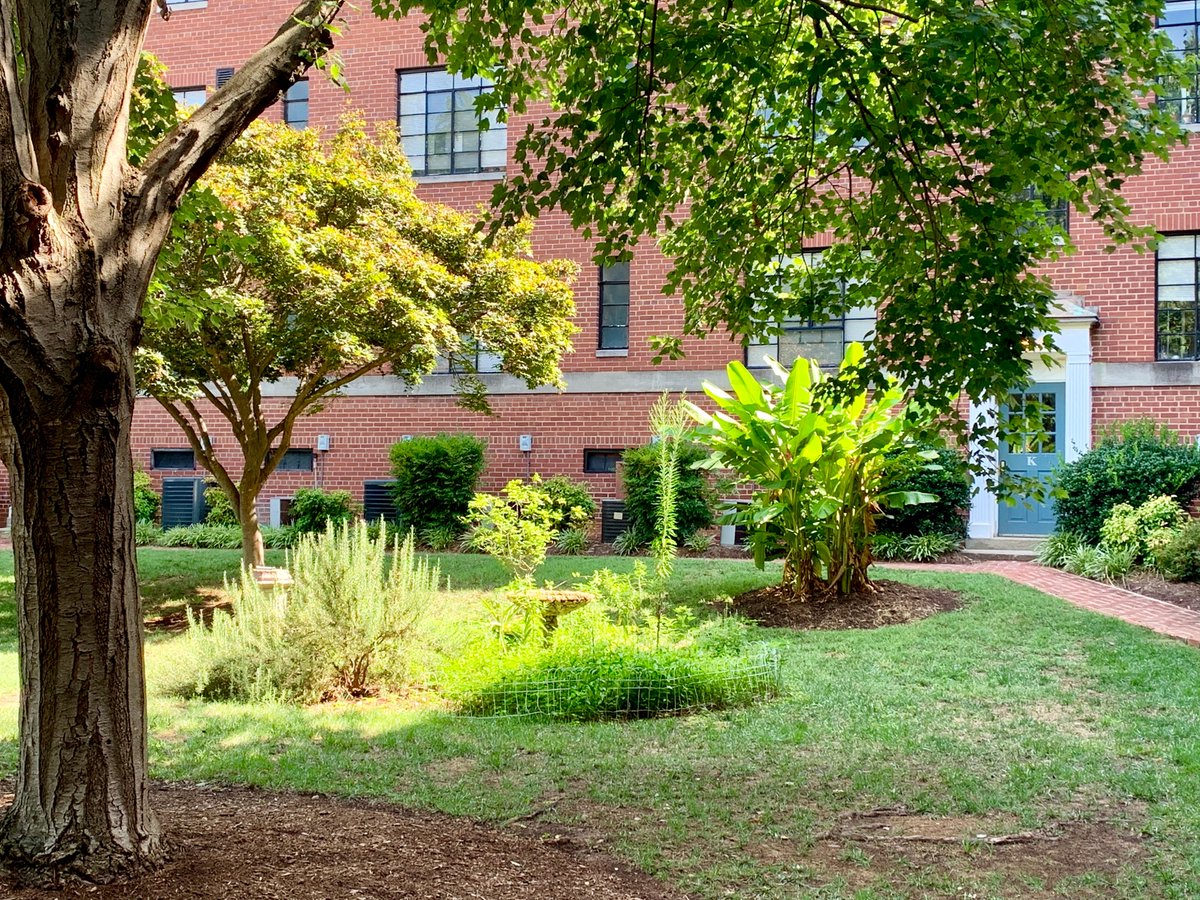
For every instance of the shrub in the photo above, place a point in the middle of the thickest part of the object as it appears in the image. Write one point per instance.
(284, 538)
(566, 496)
(313, 509)
(1131, 465)
(439, 537)
(913, 548)
(926, 547)
(220, 508)
(1129, 529)
(627, 543)
(944, 477)
(434, 479)
(145, 500)
(694, 496)
(1058, 548)
(515, 527)
(887, 546)
(698, 542)
(345, 628)
(1099, 563)
(204, 536)
(1179, 558)
(147, 534)
(571, 541)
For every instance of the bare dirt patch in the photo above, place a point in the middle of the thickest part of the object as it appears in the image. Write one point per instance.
(895, 846)
(1182, 594)
(176, 621)
(243, 843)
(890, 603)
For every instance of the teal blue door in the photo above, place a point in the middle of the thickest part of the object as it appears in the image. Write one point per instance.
(1033, 455)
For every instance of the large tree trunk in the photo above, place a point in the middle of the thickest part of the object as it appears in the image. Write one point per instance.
(81, 806)
(80, 231)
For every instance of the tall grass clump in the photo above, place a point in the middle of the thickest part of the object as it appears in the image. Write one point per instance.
(346, 628)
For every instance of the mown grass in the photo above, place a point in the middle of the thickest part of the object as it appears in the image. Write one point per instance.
(1017, 706)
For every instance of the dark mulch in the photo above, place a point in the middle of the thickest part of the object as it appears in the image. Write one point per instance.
(1182, 594)
(890, 603)
(249, 844)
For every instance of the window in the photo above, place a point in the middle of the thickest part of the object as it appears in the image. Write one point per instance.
(175, 5)
(794, 337)
(614, 306)
(1178, 300)
(474, 359)
(601, 461)
(440, 129)
(295, 104)
(1057, 212)
(1181, 94)
(172, 459)
(296, 461)
(190, 97)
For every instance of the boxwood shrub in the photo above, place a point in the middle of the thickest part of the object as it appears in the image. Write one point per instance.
(1130, 464)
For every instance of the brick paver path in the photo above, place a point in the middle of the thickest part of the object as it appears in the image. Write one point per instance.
(1107, 599)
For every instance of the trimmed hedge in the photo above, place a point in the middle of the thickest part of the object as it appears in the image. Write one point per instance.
(434, 480)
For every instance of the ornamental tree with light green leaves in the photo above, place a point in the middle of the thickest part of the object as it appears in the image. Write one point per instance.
(922, 141)
(819, 456)
(312, 263)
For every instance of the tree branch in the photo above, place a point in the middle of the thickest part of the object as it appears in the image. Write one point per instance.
(196, 431)
(186, 152)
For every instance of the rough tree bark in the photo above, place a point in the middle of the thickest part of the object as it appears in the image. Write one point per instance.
(79, 234)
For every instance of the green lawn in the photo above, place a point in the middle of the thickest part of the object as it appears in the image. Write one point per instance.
(1017, 711)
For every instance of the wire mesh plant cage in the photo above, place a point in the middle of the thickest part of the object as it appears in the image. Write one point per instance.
(672, 686)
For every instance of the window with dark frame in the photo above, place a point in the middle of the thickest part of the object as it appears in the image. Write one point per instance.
(601, 462)
(474, 359)
(614, 306)
(793, 337)
(441, 130)
(295, 105)
(1180, 22)
(1177, 296)
(172, 459)
(296, 460)
(1057, 212)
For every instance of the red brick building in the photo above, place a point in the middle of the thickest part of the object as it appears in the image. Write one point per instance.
(1129, 320)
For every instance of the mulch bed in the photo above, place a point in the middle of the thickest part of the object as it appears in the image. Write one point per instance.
(890, 603)
(1182, 594)
(244, 843)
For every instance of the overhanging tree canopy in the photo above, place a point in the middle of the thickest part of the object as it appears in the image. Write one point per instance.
(316, 261)
(911, 136)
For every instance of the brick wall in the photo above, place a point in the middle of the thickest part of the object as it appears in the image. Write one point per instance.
(194, 43)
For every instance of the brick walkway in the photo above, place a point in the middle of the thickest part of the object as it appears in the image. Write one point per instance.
(1106, 599)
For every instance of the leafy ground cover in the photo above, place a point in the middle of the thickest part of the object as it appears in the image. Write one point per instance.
(1014, 747)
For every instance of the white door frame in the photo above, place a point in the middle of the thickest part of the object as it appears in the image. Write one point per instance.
(1071, 364)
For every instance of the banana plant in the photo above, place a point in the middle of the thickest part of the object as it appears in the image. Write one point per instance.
(812, 448)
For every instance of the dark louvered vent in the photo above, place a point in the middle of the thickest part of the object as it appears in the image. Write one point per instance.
(612, 520)
(223, 75)
(378, 503)
(183, 502)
